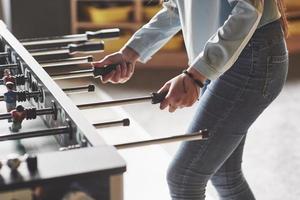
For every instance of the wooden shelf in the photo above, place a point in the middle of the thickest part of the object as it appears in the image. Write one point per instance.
(123, 25)
(293, 44)
(293, 41)
(162, 59)
(291, 15)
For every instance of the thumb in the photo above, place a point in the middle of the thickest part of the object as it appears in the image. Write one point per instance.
(165, 102)
(101, 63)
(165, 87)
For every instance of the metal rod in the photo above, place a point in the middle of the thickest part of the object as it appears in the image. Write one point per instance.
(101, 34)
(73, 74)
(4, 54)
(34, 94)
(154, 98)
(88, 88)
(66, 62)
(201, 135)
(124, 122)
(44, 111)
(104, 104)
(50, 51)
(55, 63)
(96, 72)
(20, 79)
(28, 95)
(9, 66)
(39, 133)
(5, 116)
(55, 40)
(71, 48)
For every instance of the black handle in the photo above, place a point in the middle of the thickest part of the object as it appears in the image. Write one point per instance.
(102, 71)
(32, 163)
(126, 122)
(91, 88)
(94, 46)
(103, 34)
(158, 97)
(91, 58)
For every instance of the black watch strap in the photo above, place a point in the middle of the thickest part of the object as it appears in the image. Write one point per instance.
(199, 83)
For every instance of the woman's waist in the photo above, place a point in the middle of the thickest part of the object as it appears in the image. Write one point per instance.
(268, 34)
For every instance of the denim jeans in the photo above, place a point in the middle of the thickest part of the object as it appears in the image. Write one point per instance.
(227, 108)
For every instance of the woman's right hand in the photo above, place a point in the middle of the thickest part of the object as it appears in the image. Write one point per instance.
(125, 58)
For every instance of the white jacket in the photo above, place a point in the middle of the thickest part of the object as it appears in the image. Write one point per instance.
(215, 31)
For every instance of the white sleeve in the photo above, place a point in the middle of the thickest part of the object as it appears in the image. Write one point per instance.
(153, 35)
(224, 47)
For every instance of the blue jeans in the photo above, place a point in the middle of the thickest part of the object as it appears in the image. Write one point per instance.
(227, 108)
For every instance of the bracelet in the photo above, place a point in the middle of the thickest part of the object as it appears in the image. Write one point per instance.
(199, 83)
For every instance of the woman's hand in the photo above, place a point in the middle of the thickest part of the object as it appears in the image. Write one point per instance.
(125, 58)
(182, 92)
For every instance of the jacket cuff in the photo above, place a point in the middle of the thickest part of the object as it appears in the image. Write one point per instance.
(139, 46)
(205, 69)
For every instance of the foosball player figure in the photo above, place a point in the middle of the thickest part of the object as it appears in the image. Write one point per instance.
(18, 115)
(8, 77)
(10, 97)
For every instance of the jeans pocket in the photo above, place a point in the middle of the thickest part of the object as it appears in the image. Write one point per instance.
(275, 76)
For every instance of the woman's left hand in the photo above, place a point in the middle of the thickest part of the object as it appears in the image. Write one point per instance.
(182, 92)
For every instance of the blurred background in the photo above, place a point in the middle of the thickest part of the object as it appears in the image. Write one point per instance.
(272, 158)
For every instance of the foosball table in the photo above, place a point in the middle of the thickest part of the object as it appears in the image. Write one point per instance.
(50, 149)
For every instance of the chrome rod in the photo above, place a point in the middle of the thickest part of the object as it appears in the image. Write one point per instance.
(9, 66)
(55, 40)
(66, 62)
(72, 74)
(4, 54)
(154, 98)
(101, 34)
(49, 52)
(71, 48)
(95, 71)
(124, 122)
(201, 135)
(87, 88)
(32, 134)
(121, 102)
(38, 112)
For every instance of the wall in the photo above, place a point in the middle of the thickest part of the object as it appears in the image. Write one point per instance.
(37, 18)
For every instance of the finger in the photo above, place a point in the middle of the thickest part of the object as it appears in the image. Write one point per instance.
(193, 99)
(129, 70)
(165, 102)
(128, 74)
(183, 105)
(116, 78)
(174, 98)
(188, 101)
(123, 69)
(132, 65)
(165, 87)
(106, 78)
(172, 108)
(101, 63)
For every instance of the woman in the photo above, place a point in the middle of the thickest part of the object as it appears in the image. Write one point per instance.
(243, 67)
